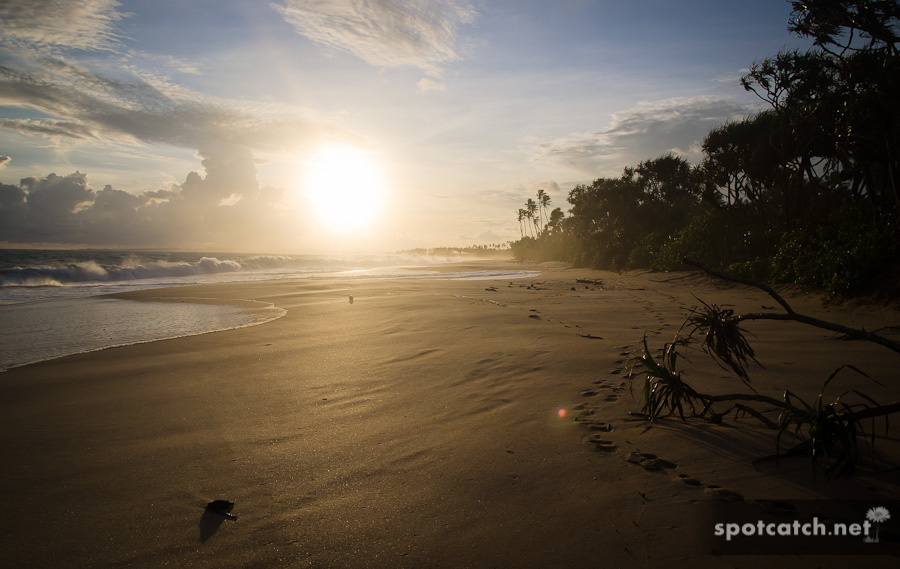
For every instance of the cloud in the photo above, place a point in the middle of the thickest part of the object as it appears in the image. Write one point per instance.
(226, 208)
(123, 105)
(136, 108)
(49, 128)
(4, 160)
(647, 130)
(78, 24)
(385, 33)
(549, 186)
(426, 85)
(223, 206)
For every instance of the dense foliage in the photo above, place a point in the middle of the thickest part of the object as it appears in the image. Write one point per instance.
(804, 191)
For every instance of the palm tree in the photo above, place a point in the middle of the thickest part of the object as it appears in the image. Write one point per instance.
(521, 217)
(540, 201)
(531, 208)
(544, 201)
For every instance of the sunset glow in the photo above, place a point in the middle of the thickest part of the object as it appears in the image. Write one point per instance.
(345, 188)
(378, 126)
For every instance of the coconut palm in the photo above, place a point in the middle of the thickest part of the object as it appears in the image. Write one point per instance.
(540, 203)
(544, 202)
(531, 208)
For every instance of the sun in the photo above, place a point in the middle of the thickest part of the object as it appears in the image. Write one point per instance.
(345, 188)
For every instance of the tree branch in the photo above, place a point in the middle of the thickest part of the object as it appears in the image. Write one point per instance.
(791, 315)
(877, 411)
(742, 280)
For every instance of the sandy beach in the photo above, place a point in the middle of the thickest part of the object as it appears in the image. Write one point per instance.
(427, 423)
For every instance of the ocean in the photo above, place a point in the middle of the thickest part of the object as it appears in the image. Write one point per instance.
(53, 303)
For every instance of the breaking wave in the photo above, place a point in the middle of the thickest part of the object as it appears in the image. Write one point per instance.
(92, 271)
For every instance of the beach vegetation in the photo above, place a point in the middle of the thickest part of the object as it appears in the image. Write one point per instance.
(804, 191)
(484, 250)
(663, 388)
(829, 429)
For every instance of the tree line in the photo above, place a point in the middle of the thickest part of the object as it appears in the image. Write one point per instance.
(804, 191)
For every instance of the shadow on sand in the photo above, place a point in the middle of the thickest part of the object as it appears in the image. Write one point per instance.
(210, 523)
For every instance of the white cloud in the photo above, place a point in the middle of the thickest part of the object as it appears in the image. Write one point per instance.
(227, 208)
(79, 24)
(224, 204)
(549, 186)
(647, 130)
(49, 128)
(426, 85)
(385, 33)
(4, 160)
(87, 105)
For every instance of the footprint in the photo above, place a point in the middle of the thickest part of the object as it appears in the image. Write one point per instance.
(588, 393)
(722, 494)
(658, 464)
(624, 353)
(611, 398)
(602, 444)
(615, 371)
(605, 427)
(689, 480)
(639, 457)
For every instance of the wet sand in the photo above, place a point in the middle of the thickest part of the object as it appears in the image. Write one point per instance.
(418, 426)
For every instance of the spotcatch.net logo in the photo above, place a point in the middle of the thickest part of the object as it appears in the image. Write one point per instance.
(806, 527)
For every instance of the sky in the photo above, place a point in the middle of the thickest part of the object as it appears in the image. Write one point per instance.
(348, 125)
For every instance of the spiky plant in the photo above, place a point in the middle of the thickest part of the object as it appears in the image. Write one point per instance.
(723, 339)
(826, 430)
(663, 387)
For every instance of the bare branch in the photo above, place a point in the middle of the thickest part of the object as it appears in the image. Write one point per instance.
(879, 411)
(742, 280)
(791, 315)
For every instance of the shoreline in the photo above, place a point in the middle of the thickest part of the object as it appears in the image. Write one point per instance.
(419, 426)
(257, 314)
(115, 320)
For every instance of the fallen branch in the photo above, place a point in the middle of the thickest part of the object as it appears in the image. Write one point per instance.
(879, 411)
(710, 399)
(791, 315)
(742, 280)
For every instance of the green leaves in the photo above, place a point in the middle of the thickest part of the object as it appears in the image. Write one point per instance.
(723, 339)
(663, 388)
(825, 430)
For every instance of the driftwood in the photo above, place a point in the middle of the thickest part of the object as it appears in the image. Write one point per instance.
(790, 314)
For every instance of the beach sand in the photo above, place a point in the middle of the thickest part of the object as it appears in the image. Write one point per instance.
(418, 426)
